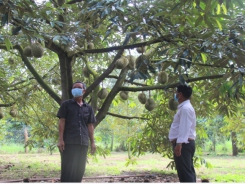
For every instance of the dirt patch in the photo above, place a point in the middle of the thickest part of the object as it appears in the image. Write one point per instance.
(129, 177)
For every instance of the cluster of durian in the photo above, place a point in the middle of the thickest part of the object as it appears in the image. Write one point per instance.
(162, 77)
(126, 61)
(102, 94)
(124, 95)
(172, 104)
(140, 50)
(13, 112)
(86, 72)
(90, 45)
(149, 103)
(34, 49)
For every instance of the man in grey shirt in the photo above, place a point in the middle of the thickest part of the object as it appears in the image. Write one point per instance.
(182, 135)
(76, 119)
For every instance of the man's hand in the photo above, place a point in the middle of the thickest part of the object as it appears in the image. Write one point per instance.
(93, 148)
(177, 149)
(61, 145)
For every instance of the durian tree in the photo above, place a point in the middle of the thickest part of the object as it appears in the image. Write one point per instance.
(125, 47)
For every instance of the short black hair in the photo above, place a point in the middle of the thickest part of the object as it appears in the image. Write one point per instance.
(84, 85)
(185, 90)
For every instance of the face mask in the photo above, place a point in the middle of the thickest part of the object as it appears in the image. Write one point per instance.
(175, 97)
(76, 92)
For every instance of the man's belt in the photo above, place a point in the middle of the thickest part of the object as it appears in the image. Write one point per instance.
(174, 141)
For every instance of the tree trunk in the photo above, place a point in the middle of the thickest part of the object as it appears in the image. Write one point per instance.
(129, 151)
(26, 139)
(234, 144)
(112, 141)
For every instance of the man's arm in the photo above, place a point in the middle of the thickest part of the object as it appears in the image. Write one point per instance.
(61, 143)
(91, 137)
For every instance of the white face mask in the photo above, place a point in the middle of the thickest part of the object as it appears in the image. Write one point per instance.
(175, 97)
(77, 92)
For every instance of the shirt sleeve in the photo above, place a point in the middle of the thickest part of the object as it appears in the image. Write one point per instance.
(92, 118)
(185, 125)
(62, 111)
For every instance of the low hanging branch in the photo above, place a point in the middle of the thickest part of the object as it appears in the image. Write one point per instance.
(148, 88)
(125, 117)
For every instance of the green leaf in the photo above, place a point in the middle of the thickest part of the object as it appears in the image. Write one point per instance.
(199, 20)
(218, 9)
(108, 32)
(119, 8)
(208, 22)
(207, 35)
(8, 44)
(56, 38)
(204, 57)
(224, 8)
(219, 24)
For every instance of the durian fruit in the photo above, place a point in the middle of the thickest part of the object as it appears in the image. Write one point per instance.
(13, 112)
(141, 63)
(102, 94)
(172, 104)
(55, 81)
(1, 113)
(27, 51)
(150, 104)
(90, 45)
(11, 61)
(122, 62)
(131, 62)
(37, 50)
(124, 95)
(61, 2)
(86, 72)
(162, 77)
(140, 50)
(142, 98)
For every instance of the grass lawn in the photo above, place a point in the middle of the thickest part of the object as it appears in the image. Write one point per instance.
(20, 166)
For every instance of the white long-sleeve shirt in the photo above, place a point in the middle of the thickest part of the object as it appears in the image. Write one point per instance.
(184, 123)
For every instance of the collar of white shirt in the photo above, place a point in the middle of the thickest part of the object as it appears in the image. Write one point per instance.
(183, 103)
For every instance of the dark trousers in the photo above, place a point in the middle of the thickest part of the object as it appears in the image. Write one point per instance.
(73, 163)
(184, 163)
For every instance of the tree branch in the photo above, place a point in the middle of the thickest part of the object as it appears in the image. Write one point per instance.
(106, 105)
(193, 63)
(107, 71)
(135, 83)
(7, 105)
(132, 46)
(74, 1)
(37, 76)
(125, 117)
(164, 87)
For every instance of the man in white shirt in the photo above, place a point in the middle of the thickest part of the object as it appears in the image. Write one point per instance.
(182, 135)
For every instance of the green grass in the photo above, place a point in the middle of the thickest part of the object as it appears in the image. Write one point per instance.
(226, 168)
(15, 148)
